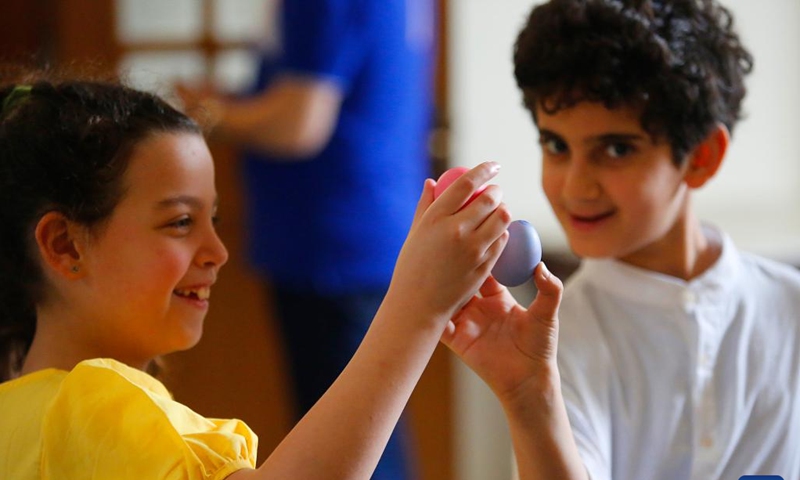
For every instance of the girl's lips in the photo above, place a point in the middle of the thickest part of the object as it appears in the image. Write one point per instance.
(197, 296)
(589, 222)
(194, 301)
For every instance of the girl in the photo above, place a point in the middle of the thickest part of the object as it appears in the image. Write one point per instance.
(108, 254)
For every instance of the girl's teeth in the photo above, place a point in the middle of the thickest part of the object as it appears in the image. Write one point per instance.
(201, 293)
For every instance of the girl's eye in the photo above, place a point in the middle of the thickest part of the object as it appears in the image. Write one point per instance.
(182, 223)
(618, 150)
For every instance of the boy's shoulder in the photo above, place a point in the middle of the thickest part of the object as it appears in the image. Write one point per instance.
(605, 290)
(769, 282)
(769, 270)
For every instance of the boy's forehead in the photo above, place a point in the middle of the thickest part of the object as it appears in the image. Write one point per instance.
(589, 115)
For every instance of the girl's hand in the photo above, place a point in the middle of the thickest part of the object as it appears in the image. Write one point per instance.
(511, 348)
(451, 246)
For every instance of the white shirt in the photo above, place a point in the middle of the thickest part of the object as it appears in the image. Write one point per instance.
(673, 380)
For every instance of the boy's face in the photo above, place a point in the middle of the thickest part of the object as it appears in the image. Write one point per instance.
(615, 191)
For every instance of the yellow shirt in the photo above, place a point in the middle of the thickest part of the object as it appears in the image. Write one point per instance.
(105, 420)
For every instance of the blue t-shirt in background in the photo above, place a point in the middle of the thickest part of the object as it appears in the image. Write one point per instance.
(335, 223)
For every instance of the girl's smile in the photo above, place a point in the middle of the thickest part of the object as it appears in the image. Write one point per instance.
(159, 250)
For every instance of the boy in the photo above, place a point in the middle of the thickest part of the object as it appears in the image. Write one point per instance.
(679, 356)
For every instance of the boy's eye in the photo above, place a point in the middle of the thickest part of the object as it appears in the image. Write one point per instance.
(553, 146)
(618, 150)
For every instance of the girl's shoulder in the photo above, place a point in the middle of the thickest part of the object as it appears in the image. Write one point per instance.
(105, 369)
(111, 414)
(103, 414)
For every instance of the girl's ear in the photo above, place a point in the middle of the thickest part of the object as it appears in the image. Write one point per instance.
(706, 158)
(59, 243)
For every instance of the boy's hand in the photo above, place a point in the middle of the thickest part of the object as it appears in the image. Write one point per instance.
(451, 246)
(511, 348)
(201, 102)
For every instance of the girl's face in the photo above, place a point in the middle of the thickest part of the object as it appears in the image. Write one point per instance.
(150, 269)
(614, 190)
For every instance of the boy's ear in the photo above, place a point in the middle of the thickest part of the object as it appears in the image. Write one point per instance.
(706, 158)
(59, 244)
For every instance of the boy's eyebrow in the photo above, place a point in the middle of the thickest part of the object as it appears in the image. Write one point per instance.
(543, 132)
(602, 138)
(618, 137)
(192, 202)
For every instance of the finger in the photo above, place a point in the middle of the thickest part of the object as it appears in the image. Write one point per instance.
(187, 90)
(183, 93)
(548, 298)
(425, 199)
(448, 334)
(478, 211)
(493, 253)
(457, 194)
(494, 224)
(491, 287)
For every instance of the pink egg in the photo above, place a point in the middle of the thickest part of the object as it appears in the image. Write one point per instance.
(524, 248)
(450, 176)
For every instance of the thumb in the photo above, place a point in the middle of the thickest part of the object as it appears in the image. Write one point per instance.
(548, 298)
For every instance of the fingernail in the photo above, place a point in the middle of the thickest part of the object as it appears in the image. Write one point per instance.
(545, 272)
(494, 167)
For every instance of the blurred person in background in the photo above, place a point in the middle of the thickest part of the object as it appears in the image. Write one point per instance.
(334, 135)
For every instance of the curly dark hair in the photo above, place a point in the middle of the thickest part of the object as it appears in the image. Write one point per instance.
(64, 146)
(681, 61)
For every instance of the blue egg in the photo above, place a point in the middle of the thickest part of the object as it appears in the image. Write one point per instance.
(521, 255)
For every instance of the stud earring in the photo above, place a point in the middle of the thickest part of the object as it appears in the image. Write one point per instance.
(74, 269)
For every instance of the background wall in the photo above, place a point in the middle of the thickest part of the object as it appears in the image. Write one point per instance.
(755, 197)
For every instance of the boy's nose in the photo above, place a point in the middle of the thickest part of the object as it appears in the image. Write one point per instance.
(580, 182)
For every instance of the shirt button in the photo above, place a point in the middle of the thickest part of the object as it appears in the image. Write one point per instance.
(689, 298)
(704, 360)
(707, 441)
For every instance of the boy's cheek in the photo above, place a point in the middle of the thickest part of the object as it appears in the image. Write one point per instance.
(551, 192)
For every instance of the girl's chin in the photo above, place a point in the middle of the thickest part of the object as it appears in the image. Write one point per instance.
(189, 336)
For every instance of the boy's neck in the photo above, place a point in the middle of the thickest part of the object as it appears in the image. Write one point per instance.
(685, 252)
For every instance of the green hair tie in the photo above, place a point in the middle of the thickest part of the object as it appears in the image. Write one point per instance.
(20, 92)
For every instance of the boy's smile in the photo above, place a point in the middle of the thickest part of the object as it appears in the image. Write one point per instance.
(614, 189)
(588, 222)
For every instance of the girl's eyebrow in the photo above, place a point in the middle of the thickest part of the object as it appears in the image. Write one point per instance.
(188, 200)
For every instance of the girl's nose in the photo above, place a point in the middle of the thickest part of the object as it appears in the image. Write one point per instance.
(214, 253)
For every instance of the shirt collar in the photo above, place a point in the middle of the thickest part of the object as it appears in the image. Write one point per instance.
(644, 286)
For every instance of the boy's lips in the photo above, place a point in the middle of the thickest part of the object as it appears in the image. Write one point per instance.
(588, 222)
